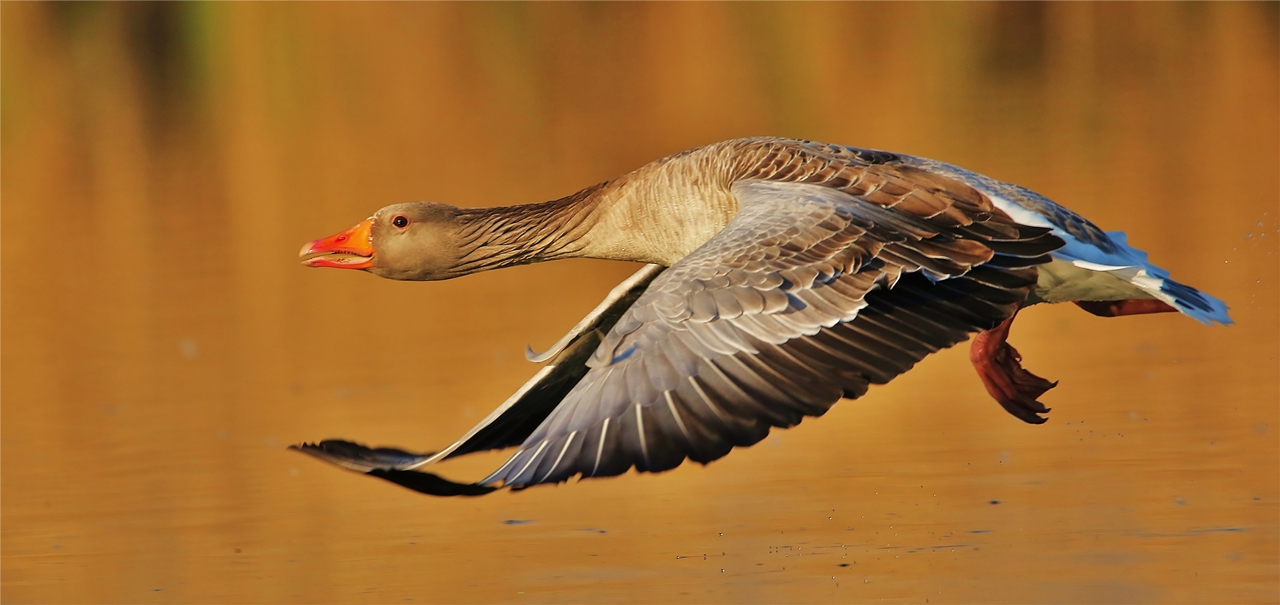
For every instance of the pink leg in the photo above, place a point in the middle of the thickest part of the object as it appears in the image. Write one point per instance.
(1116, 308)
(999, 367)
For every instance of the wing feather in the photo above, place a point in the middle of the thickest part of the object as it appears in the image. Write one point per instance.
(842, 268)
(809, 295)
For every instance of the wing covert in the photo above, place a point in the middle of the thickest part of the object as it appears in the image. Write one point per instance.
(810, 294)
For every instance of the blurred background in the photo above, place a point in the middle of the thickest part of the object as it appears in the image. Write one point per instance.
(162, 164)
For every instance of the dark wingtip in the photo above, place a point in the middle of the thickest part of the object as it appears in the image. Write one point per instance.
(389, 464)
(360, 458)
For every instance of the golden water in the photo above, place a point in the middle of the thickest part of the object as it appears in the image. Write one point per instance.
(162, 163)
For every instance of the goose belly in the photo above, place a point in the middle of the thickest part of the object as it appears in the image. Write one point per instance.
(1063, 281)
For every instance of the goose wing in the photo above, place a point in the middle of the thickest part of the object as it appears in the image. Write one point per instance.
(508, 425)
(810, 294)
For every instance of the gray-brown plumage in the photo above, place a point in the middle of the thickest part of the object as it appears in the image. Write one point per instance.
(799, 274)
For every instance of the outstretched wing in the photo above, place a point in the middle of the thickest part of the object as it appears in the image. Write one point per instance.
(810, 294)
(509, 424)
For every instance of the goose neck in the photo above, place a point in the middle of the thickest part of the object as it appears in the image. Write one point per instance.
(492, 238)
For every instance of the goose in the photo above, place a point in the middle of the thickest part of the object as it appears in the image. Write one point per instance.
(780, 276)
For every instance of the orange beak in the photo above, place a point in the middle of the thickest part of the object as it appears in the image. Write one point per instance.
(351, 249)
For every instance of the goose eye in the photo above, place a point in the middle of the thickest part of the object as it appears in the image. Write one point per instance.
(400, 221)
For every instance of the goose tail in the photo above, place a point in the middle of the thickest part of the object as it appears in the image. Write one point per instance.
(1156, 282)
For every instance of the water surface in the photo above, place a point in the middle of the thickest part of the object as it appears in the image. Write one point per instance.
(162, 164)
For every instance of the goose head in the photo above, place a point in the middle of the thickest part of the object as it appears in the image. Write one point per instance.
(416, 241)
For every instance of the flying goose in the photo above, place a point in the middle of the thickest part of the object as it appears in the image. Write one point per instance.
(781, 275)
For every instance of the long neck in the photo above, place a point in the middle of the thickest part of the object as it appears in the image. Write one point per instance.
(492, 238)
(658, 213)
